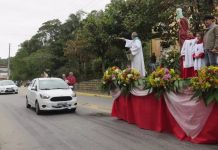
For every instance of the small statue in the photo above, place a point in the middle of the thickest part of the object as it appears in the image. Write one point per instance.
(183, 26)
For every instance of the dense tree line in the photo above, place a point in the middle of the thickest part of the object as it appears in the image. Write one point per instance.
(86, 43)
(3, 62)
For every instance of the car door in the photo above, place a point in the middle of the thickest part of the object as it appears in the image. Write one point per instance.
(33, 92)
(28, 94)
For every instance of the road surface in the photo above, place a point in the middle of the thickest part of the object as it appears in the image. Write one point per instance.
(90, 128)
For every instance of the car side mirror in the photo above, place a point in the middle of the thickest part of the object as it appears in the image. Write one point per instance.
(34, 88)
(71, 87)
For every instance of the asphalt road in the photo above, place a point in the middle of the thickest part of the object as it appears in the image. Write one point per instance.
(90, 128)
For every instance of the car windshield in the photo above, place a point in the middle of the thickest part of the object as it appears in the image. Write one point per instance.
(6, 82)
(52, 84)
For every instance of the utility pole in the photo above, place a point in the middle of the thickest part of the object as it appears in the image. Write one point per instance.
(9, 53)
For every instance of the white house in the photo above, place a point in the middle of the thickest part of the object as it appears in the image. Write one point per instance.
(3, 72)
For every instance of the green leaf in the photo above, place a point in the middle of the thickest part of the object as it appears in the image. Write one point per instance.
(176, 84)
(140, 81)
(197, 93)
(136, 83)
(210, 99)
(216, 96)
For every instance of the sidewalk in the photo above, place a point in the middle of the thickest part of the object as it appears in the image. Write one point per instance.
(92, 94)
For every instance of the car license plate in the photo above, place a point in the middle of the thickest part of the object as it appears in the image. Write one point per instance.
(9, 90)
(62, 104)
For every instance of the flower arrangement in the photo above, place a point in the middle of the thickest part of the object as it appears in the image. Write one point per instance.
(129, 78)
(162, 80)
(170, 59)
(206, 84)
(110, 78)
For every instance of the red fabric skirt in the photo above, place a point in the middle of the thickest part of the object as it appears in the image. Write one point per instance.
(149, 113)
(186, 72)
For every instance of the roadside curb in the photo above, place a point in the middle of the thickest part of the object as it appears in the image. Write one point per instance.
(92, 94)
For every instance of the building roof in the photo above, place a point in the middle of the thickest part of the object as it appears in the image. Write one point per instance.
(3, 66)
(3, 69)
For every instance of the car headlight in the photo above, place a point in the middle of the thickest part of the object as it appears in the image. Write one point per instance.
(44, 96)
(73, 94)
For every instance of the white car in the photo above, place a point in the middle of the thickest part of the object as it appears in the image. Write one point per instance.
(8, 86)
(47, 94)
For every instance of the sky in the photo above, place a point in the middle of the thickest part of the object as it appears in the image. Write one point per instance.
(21, 19)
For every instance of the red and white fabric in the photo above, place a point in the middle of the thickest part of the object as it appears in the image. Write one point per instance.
(191, 115)
(175, 112)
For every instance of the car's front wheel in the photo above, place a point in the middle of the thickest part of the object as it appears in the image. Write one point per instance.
(27, 103)
(38, 110)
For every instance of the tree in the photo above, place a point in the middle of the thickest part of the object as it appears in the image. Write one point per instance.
(3, 62)
(18, 65)
(49, 31)
(83, 45)
(28, 67)
(196, 9)
(94, 33)
(67, 33)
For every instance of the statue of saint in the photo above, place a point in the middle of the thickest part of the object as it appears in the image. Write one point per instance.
(183, 26)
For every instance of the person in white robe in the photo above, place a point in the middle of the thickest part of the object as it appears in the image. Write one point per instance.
(137, 59)
(187, 51)
(198, 53)
(187, 66)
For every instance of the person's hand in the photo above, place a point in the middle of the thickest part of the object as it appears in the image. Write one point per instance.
(183, 57)
(120, 38)
(214, 50)
(178, 21)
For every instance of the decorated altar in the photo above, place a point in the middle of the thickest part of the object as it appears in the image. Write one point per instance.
(164, 102)
(173, 113)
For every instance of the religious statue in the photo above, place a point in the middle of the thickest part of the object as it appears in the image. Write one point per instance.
(183, 26)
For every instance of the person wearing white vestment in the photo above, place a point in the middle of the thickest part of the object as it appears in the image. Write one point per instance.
(135, 47)
(198, 53)
(187, 51)
(188, 61)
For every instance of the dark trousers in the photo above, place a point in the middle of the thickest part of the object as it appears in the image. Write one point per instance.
(211, 59)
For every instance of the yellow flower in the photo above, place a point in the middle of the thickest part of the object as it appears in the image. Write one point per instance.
(172, 71)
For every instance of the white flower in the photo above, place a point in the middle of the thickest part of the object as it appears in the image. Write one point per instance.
(117, 70)
(129, 75)
(172, 60)
(157, 79)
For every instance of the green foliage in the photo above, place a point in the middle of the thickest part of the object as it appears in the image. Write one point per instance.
(209, 96)
(163, 80)
(205, 85)
(31, 66)
(171, 59)
(87, 46)
(3, 62)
